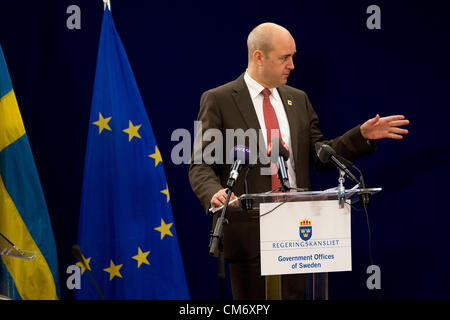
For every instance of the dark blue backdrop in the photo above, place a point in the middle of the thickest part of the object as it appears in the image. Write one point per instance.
(178, 49)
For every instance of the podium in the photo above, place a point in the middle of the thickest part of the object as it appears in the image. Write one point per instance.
(305, 232)
(7, 248)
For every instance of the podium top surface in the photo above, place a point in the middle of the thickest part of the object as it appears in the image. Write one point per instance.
(329, 194)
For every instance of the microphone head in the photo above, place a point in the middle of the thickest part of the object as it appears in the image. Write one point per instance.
(324, 151)
(283, 149)
(76, 251)
(240, 152)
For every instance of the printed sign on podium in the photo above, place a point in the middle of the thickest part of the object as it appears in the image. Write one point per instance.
(305, 237)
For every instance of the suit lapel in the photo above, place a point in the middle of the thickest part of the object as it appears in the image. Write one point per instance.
(293, 118)
(244, 103)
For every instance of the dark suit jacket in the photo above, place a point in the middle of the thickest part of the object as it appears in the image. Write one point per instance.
(230, 107)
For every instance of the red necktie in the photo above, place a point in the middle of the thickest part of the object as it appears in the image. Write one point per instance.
(271, 121)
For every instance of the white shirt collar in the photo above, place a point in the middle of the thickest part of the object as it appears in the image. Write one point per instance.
(255, 88)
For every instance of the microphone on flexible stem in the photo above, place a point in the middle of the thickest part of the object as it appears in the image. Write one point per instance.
(76, 251)
(325, 153)
(280, 159)
(240, 155)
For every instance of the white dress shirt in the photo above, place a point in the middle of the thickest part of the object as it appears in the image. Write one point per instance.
(255, 93)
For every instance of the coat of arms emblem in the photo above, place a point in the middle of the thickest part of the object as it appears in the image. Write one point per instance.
(305, 229)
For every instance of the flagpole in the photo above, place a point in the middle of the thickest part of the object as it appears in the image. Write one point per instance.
(107, 2)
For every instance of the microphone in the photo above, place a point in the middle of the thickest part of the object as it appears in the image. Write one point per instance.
(240, 155)
(76, 251)
(280, 159)
(325, 153)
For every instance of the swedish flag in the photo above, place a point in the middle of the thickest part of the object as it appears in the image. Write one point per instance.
(126, 228)
(24, 218)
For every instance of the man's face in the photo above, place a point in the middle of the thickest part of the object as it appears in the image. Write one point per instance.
(278, 63)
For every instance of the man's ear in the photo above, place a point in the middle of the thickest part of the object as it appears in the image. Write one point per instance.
(258, 56)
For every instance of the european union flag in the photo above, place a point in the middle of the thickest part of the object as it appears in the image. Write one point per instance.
(126, 228)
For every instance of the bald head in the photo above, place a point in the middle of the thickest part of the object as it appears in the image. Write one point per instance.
(271, 49)
(261, 37)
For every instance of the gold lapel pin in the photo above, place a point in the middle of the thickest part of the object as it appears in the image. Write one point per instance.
(289, 102)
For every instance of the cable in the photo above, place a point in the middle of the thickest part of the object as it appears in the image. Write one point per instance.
(365, 199)
(369, 231)
(369, 234)
(270, 211)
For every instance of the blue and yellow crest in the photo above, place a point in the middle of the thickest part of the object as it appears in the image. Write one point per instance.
(305, 229)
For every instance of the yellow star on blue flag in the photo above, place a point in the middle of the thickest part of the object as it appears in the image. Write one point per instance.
(156, 156)
(166, 192)
(102, 123)
(164, 229)
(113, 270)
(132, 131)
(141, 257)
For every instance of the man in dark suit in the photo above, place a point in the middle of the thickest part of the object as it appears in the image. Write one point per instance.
(260, 99)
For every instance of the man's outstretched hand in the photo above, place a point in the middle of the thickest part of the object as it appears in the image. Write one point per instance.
(385, 127)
